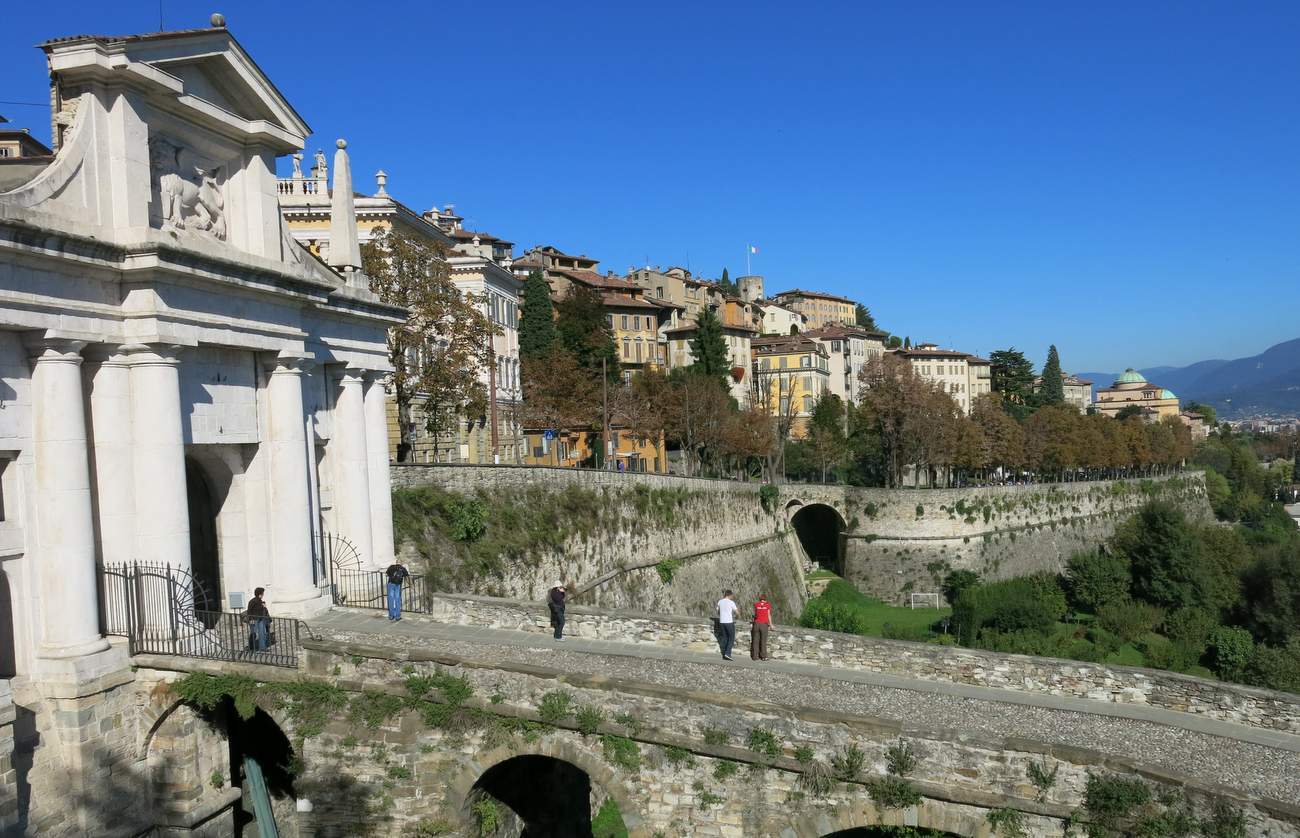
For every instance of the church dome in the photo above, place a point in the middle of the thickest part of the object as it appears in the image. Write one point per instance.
(1167, 394)
(1130, 376)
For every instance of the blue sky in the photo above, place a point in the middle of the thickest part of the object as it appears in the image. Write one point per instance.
(1121, 179)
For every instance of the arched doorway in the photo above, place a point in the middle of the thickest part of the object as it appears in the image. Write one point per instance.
(820, 530)
(205, 561)
(534, 796)
(8, 649)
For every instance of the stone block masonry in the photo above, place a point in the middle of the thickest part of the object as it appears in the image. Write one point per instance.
(1259, 708)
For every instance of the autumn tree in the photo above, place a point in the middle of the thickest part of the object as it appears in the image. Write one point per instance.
(826, 442)
(441, 353)
(897, 404)
(1003, 437)
(1052, 390)
(560, 393)
(537, 318)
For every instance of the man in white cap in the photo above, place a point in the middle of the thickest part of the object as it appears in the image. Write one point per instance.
(555, 601)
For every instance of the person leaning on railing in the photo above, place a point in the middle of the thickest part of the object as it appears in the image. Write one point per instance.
(259, 621)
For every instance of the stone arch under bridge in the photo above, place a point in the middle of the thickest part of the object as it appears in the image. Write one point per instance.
(820, 527)
(567, 763)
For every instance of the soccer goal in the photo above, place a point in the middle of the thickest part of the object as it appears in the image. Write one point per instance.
(923, 601)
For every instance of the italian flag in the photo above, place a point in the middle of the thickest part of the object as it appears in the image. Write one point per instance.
(753, 248)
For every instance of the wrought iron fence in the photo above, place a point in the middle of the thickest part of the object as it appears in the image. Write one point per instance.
(369, 589)
(163, 610)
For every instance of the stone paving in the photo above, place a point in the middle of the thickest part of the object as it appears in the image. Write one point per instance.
(1250, 760)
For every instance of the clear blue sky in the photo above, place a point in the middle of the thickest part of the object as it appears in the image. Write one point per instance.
(1122, 179)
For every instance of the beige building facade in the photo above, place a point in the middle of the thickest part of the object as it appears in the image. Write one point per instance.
(1131, 389)
(962, 376)
(819, 309)
(849, 349)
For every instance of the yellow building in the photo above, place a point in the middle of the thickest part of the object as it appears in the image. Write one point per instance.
(1132, 390)
(791, 373)
(819, 309)
(634, 323)
(572, 449)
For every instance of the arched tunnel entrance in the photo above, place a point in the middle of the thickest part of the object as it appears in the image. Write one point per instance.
(820, 529)
(888, 832)
(544, 796)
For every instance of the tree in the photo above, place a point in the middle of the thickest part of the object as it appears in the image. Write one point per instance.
(1169, 564)
(709, 347)
(440, 353)
(1205, 411)
(537, 318)
(1129, 411)
(1272, 594)
(910, 417)
(560, 394)
(583, 330)
(862, 316)
(1052, 391)
(895, 342)
(1094, 580)
(1013, 380)
(727, 286)
(907, 343)
(957, 581)
(826, 433)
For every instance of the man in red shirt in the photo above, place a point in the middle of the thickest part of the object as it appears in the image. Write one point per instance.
(758, 632)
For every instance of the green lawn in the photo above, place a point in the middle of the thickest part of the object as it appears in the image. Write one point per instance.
(912, 623)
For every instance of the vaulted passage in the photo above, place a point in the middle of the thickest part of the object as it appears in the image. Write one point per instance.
(205, 562)
(819, 528)
(550, 797)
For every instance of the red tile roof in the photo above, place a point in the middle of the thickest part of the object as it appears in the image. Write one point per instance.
(799, 292)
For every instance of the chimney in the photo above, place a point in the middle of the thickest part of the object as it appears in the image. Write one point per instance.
(381, 178)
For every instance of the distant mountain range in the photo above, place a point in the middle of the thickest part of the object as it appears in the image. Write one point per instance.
(1267, 383)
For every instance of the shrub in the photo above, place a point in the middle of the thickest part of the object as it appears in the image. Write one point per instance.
(871, 510)
(920, 511)
(1097, 579)
(1161, 653)
(767, 496)
(486, 815)
(1189, 629)
(890, 792)
(1026, 602)
(763, 741)
(674, 755)
(817, 779)
(1104, 643)
(467, 518)
(589, 720)
(1225, 821)
(832, 616)
(1276, 667)
(630, 722)
(716, 736)
(900, 759)
(725, 769)
(621, 751)
(608, 822)
(666, 568)
(1042, 779)
(957, 581)
(1007, 822)
(803, 755)
(555, 707)
(848, 763)
(1111, 801)
(1231, 648)
(1129, 621)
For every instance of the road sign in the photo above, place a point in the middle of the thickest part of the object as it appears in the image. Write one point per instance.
(549, 434)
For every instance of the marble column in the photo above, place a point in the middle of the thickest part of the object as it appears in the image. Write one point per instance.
(351, 465)
(162, 522)
(65, 527)
(292, 579)
(110, 422)
(381, 491)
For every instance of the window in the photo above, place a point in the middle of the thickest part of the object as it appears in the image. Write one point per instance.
(805, 360)
(638, 350)
(609, 318)
(624, 322)
(807, 404)
(627, 347)
(835, 346)
(783, 362)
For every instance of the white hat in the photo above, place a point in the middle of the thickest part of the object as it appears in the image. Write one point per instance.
(558, 585)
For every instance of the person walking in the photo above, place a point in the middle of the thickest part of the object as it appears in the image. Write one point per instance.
(759, 631)
(727, 609)
(259, 621)
(397, 574)
(555, 602)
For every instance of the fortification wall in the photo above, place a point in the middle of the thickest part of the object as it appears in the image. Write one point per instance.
(916, 537)
(644, 542)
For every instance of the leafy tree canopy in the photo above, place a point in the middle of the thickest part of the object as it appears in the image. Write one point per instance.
(863, 317)
(583, 330)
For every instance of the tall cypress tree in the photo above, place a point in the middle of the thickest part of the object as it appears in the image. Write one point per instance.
(709, 347)
(537, 318)
(1052, 390)
(583, 330)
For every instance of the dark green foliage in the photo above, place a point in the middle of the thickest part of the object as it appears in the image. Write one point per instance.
(1271, 589)
(957, 581)
(468, 519)
(583, 330)
(1130, 621)
(832, 616)
(666, 568)
(1052, 390)
(1008, 823)
(900, 759)
(1189, 629)
(537, 335)
(804, 755)
(862, 316)
(1169, 566)
(1097, 579)
(716, 736)
(1012, 380)
(1225, 821)
(1032, 603)
(1111, 802)
(1041, 777)
(373, 709)
(1276, 667)
(725, 769)
(709, 347)
(726, 286)
(767, 495)
(674, 755)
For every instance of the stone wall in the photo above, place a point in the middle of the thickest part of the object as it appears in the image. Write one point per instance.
(640, 541)
(676, 762)
(906, 541)
(1023, 673)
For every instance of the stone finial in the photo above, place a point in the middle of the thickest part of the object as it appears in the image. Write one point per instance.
(381, 179)
(345, 250)
(218, 20)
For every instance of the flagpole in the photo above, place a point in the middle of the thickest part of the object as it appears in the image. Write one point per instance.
(748, 270)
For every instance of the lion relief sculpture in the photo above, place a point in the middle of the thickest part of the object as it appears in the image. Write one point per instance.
(188, 193)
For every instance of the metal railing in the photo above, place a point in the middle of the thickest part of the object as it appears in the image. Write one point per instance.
(163, 610)
(369, 589)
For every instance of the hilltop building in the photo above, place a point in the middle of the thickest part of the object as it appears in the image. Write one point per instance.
(849, 349)
(819, 309)
(780, 319)
(1078, 391)
(790, 373)
(1131, 389)
(961, 375)
(479, 265)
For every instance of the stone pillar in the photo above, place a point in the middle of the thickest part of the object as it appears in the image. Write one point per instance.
(351, 466)
(65, 526)
(381, 490)
(292, 579)
(110, 422)
(162, 524)
(8, 774)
